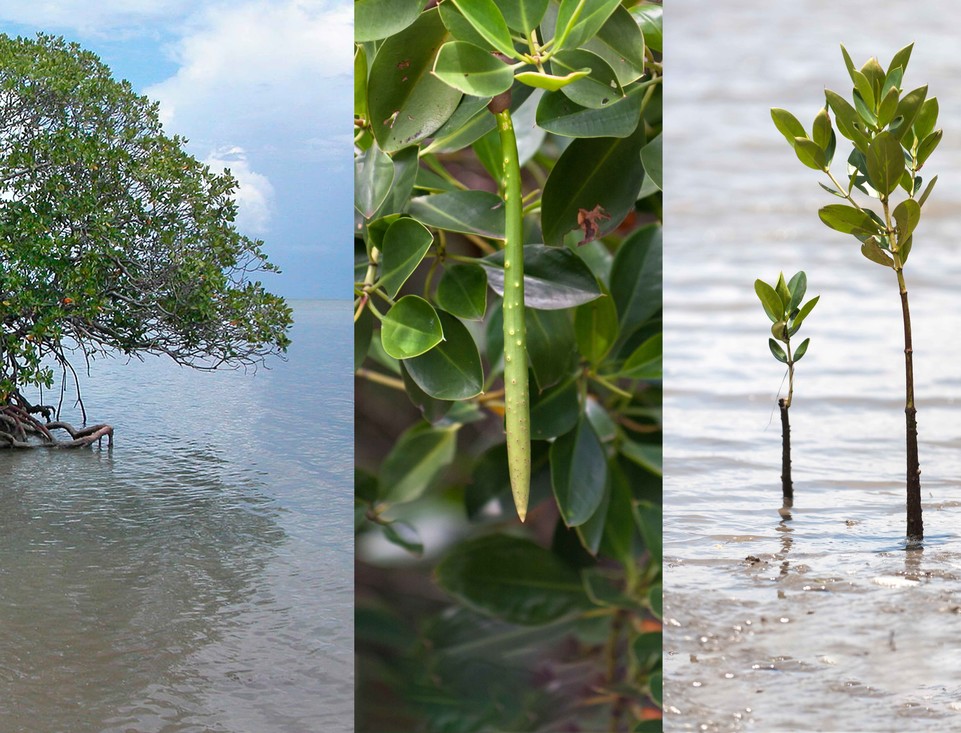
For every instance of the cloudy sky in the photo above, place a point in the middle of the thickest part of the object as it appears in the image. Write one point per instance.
(262, 87)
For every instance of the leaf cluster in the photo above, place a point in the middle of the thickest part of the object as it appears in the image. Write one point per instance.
(782, 302)
(893, 133)
(582, 82)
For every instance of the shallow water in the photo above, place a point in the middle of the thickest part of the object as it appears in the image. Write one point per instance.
(823, 621)
(197, 576)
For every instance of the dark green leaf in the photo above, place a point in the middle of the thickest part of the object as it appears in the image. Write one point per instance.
(468, 212)
(462, 291)
(801, 350)
(590, 173)
(656, 599)
(651, 158)
(885, 161)
(646, 361)
(847, 121)
(866, 115)
(550, 345)
(803, 313)
(472, 70)
(777, 350)
(405, 174)
(621, 44)
(513, 579)
(407, 103)
(647, 649)
(578, 473)
(787, 124)
(907, 214)
(577, 30)
(651, 19)
(554, 278)
(927, 146)
(376, 19)
(410, 327)
(451, 370)
(848, 220)
(416, 459)
(433, 410)
(591, 532)
(373, 176)
(487, 20)
(404, 536)
(636, 279)
(618, 539)
(405, 244)
(595, 326)
(645, 455)
(649, 521)
(554, 411)
(797, 287)
(363, 330)
(598, 89)
(558, 114)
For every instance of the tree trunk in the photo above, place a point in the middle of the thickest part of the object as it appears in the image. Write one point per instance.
(787, 485)
(915, 530)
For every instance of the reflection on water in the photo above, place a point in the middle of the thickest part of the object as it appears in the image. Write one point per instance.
(815, 616)
(197, 576)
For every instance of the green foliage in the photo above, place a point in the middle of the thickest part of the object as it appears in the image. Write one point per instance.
(508, 341)
(112, 238)
(782, 304)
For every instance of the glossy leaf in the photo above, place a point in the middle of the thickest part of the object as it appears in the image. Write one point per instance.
(908, 109)
(646, 361)
(801, 350)
(468, 212)
(487, 20)
(885, 161)
(405, 244)
(821, 131)
(373, 176)
(522, 15)
(554, 278)
(551, 346)
(578, 473)
(407, 103)
(512, 579)
(410, 328)
(405, 173)
(804, 311)
(452, 370)
(591, 173)
(651, 20)
(770, 300)
(787, 124)
(865, 88)
(598, 89)
(809, 153)
(620, 43)
(888, 109)
(471, 120)
(901, 58)
(363, 331)
(847, 220)
(591, 532)
(797, 288)
(776, 349)
(927, 118)
(433, 410)
(376, 19)
(846, 118)
(636, 278)
(907, 214)
(550, 82)
(927, 146)
(595, 326)
(575, 28)
(462, 291)
(472, 70)
(651, 157)
(558, 114)
(554, 411)
(646, 455)
(415, 460)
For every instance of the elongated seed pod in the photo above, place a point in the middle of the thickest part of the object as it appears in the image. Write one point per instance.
(516, 396)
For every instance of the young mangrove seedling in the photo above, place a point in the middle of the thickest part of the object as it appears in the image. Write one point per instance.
(892, 135)
(782, 303)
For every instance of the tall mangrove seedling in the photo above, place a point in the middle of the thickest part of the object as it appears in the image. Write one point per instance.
(893, 134)
(782, 303)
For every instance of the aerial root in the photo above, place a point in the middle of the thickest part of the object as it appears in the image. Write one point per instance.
(20, 429)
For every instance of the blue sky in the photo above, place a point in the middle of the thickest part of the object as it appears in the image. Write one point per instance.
(263, 87)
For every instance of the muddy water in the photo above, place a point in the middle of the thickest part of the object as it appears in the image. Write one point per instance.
(824, 621)
(198, 576)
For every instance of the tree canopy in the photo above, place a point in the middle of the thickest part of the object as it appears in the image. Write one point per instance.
(112, 238)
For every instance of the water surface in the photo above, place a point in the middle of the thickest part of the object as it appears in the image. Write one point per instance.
(198, 576)
(824, 621)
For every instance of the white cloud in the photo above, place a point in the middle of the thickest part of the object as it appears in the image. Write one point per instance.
(246, 65)
(94, 18)
(254, 195)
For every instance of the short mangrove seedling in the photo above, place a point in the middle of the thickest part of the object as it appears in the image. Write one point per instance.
(782, 303)
(893, 135)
